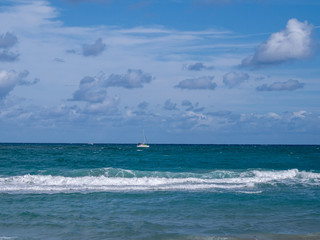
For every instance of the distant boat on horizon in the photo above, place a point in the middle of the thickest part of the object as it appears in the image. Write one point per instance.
(143, 144)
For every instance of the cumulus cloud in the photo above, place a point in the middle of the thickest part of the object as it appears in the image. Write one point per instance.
(94, 49)
(108, 105)
(10, 79)
(132, 79)
(294, 42)
(90, 91)
(198, 67)
(94, 89)
(192, 107)
(7, 41)
(186, 103)
(224, 113)
(233, 79)
(168, 105)
(224, 116)
(201, 83)
(143, 105)
(289, 85)
(6, 56)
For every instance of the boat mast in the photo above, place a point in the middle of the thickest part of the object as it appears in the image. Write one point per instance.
(144, 137)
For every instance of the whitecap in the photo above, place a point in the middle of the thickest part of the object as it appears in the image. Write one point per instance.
(111, 179)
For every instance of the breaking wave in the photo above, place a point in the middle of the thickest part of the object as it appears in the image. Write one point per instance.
(113, 179)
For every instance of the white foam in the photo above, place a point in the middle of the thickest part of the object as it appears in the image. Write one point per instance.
(250, 192)
(250, 181)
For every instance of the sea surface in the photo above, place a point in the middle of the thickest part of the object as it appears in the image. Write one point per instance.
(165, 192)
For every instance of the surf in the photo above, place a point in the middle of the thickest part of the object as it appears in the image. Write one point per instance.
(114, 179)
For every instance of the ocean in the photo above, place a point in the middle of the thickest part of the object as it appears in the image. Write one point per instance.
(165, 192)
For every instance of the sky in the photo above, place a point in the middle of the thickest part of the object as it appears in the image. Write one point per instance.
(184, 71)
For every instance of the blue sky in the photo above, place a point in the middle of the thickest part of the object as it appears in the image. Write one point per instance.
(192, 71)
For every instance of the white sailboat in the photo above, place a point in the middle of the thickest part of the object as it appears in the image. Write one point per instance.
(143, 144)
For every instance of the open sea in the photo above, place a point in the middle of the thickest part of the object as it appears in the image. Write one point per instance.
(166, 192)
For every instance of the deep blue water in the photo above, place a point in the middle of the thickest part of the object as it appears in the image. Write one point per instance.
(80, 191)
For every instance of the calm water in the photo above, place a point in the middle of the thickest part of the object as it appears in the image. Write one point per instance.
(198, 192)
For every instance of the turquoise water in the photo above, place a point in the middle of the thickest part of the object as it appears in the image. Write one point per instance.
(74, 191)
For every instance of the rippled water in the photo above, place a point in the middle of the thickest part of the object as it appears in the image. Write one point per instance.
(74, 191)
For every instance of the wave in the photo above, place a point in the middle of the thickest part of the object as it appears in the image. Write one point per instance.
(113, 179)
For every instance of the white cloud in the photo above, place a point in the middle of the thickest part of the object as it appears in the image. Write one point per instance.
(8, 40)
(6, 56)
(94, 49)
(29, 15)
(274, 115)
(169, 105)
(294, 42)
(42, 45)
(94, 89)
(192, 107)
(109, 106)
(289, 85)
(143, 105)
(90, 90)
(286, 123)
(233, 79)
(300, 114)
(134, 78)
(10, 79)
(197, 67)
(201, 83)
(186, 103)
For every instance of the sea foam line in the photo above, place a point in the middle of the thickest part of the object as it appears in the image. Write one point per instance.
(130, 180)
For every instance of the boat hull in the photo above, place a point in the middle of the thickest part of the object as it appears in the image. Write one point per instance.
(143, 145)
